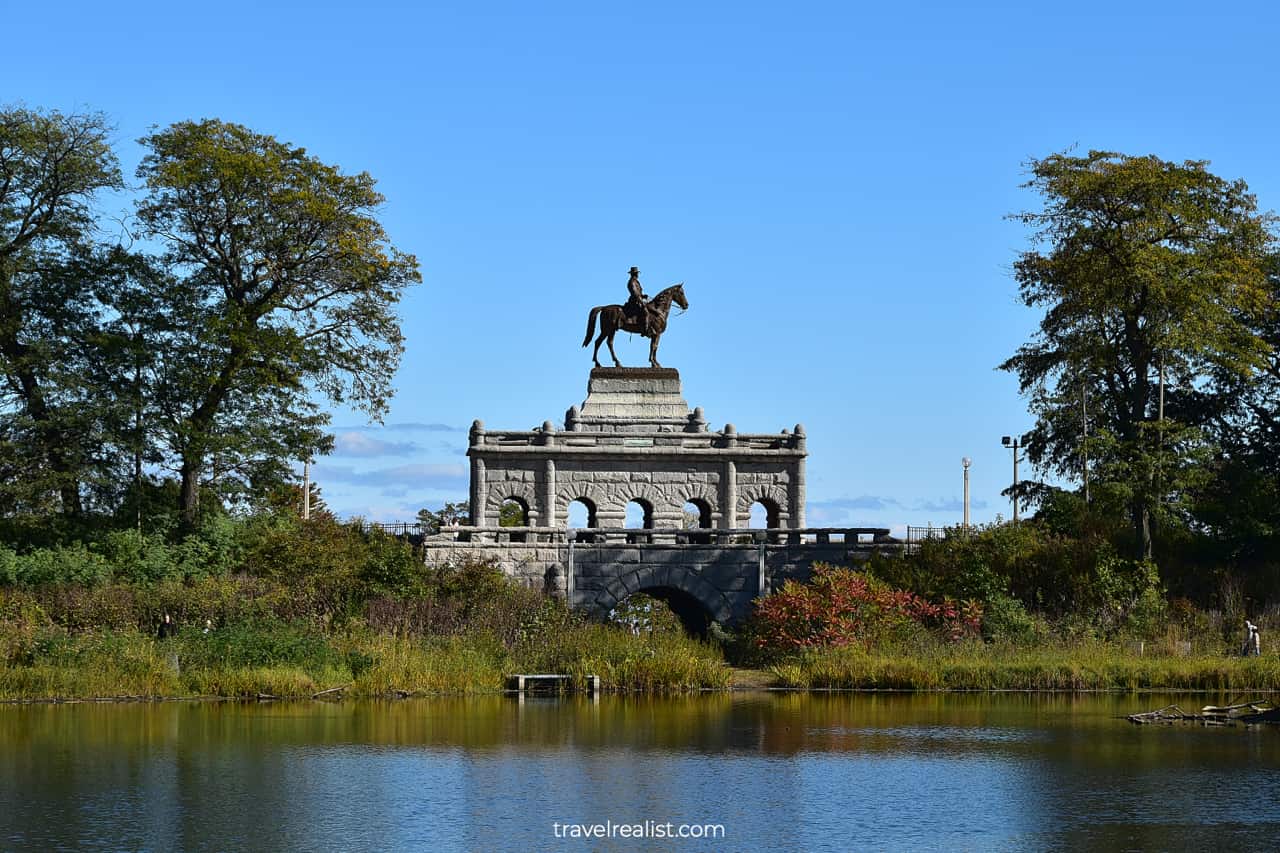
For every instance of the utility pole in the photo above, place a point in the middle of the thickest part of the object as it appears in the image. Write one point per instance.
(966, 462)
(306, 490)
(1012, 443)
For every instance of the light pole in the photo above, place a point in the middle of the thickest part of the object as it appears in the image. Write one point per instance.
(966, 462)
(1012, 443)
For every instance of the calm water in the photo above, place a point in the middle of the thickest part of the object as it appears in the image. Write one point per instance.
(778, 771)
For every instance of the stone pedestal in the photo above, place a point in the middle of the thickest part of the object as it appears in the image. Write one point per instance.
(632, 398)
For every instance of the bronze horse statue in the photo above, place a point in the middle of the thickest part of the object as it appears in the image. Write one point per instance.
(613, 318)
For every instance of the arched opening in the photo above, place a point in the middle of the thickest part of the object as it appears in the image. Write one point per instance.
(514, 512)
(697, 516)
(652, 609)
(639, 517)
(582, 513)
(764, 513)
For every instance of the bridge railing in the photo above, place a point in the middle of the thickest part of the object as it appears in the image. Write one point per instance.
(664, 536)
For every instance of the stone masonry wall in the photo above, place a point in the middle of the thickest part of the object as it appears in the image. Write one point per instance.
(724, 579)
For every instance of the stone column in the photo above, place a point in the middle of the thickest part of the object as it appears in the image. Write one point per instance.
(798, 496)
(729, 495)
(797, 493)
(549, 493)
(479, 492)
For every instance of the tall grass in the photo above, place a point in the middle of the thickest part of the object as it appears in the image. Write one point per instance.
(1093, 666)
(648, 662)
(291, 661)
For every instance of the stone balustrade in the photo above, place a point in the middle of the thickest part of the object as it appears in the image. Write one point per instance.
(663, 536)
(482, 439)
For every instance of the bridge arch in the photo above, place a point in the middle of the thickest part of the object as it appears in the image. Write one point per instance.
(663, 580)
(693, 615)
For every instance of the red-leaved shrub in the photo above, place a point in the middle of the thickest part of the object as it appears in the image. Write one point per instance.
(841, 607)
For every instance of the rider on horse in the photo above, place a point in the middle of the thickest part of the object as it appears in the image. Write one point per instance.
(637, 307)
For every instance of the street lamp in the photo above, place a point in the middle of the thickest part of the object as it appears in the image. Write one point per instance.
(1011, 442)
(966, 462)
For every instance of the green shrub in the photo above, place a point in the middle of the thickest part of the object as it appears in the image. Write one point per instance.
(8, 567)
(258, 643)
(216, 549)
(1004, 618)
(71, 564)
(136, 558)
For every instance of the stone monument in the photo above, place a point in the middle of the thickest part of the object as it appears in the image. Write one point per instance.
(634, 439)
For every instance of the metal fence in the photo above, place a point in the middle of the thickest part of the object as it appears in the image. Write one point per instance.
(396, 528)
(916, 535)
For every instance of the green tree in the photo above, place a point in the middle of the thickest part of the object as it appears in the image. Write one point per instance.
(284, 284)
(453, 512)
(1150, 273)
(511, 514)
(1241, 504)
(123, 374)
(51, 167)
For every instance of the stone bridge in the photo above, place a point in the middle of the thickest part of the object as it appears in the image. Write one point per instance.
(704, 575)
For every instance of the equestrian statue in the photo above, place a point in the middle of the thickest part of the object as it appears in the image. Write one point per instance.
(640, 315)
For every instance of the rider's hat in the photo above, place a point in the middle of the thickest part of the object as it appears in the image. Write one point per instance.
(635, 271)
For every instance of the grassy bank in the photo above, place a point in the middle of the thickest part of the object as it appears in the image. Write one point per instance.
(295, 608)
(977, 666)
(285, 661)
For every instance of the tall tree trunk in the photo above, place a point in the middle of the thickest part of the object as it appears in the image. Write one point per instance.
(189, 497)
(48, 437)
(69, 493)
(1141, 530)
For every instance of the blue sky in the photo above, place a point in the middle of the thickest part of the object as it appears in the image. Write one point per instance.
(828, 179)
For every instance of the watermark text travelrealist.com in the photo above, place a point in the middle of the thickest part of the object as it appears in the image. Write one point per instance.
(642, 829)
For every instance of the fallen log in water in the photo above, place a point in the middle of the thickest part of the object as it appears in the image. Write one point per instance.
(1255, 711)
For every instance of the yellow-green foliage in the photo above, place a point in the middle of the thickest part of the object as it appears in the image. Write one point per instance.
(95, 665)
(283, 681)
(648, 662)
(999, 667)
(292, 661)
(424, 666)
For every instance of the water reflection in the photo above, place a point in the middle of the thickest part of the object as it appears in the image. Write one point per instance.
(781, 771)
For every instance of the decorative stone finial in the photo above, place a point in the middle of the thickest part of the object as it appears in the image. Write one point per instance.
(697, 420)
